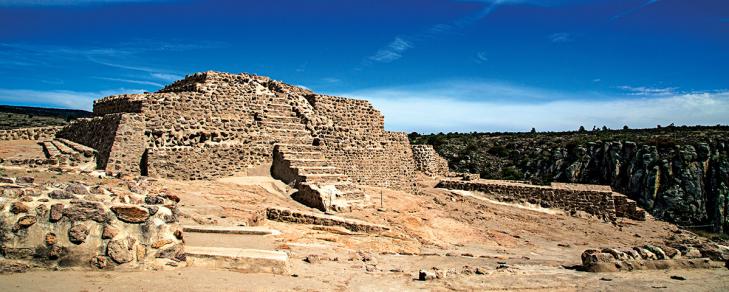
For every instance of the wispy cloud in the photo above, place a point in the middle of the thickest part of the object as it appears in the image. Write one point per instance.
(392, 51)
(66, 2)
(634, 10)
(141, 82)
(647, 91)
(481, 57)
(397, 47)
(57, 98)
(166, 76)
(561, 37)
(448, 106)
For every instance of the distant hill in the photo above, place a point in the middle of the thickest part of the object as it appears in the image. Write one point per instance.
(13, 117)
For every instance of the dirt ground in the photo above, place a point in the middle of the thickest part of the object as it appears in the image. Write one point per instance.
(485, 245)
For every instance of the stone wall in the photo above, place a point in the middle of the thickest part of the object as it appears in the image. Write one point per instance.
(206, 162)
(118, 139)
(428, 161)
(39, 133)
(77, 226)
(653, 257)
(599, 203)
(125, 103)
(356, 142)
(213, 124)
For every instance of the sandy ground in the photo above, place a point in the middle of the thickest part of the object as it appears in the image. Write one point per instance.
(432, 228)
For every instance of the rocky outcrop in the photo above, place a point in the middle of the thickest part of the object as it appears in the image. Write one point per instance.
(679, 175)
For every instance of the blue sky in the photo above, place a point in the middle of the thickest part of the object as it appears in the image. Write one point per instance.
(429, 65)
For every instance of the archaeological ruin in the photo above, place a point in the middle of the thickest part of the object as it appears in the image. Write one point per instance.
(212, 125)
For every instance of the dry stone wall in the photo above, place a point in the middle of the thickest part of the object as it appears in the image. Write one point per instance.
(118, 139)
(39, 133)
(599, 203)
(428, 161)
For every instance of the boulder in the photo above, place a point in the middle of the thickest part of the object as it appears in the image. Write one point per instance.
(119, 251)
(61, 195)
(109, 232)
(78, 233)
(19, 207)
(26, 221)
(56, 212)
(591, 257)
(424, 275)
(154, 200)
(131, 213)
(85, 210)
(77, 188)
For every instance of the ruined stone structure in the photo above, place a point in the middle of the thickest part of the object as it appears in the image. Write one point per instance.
(652, 257)
(72, 225)
(428, 161)
(570, 197)
(39, 133)
(212, 125)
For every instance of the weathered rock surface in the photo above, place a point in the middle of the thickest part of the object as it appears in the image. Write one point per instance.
(131, 213)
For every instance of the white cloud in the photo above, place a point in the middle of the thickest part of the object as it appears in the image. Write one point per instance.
(57, 98)
(443, 107)
(392, 51)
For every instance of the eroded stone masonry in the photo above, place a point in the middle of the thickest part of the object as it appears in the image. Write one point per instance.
(212, 125)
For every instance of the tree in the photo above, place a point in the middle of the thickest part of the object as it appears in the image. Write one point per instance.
(533, 131)
(605, 128)
(582, 129)
(625, 128)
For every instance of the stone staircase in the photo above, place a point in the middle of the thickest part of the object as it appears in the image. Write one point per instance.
(236, 248)
(299, 162)
(65, 152)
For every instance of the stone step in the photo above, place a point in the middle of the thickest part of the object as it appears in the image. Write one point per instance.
(279, 112)
(282, 125)
(238, 259)
(292, 140)
(302, 155)
(324, 179)
(297, 163)
(63, 148)
(305, 217)
(281, 119)
(230, 230)
(310, 170)
(289, 132)
(50, 150)
(85, 150)
(298, 147)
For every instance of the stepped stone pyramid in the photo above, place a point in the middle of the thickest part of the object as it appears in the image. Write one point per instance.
(213, 124)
